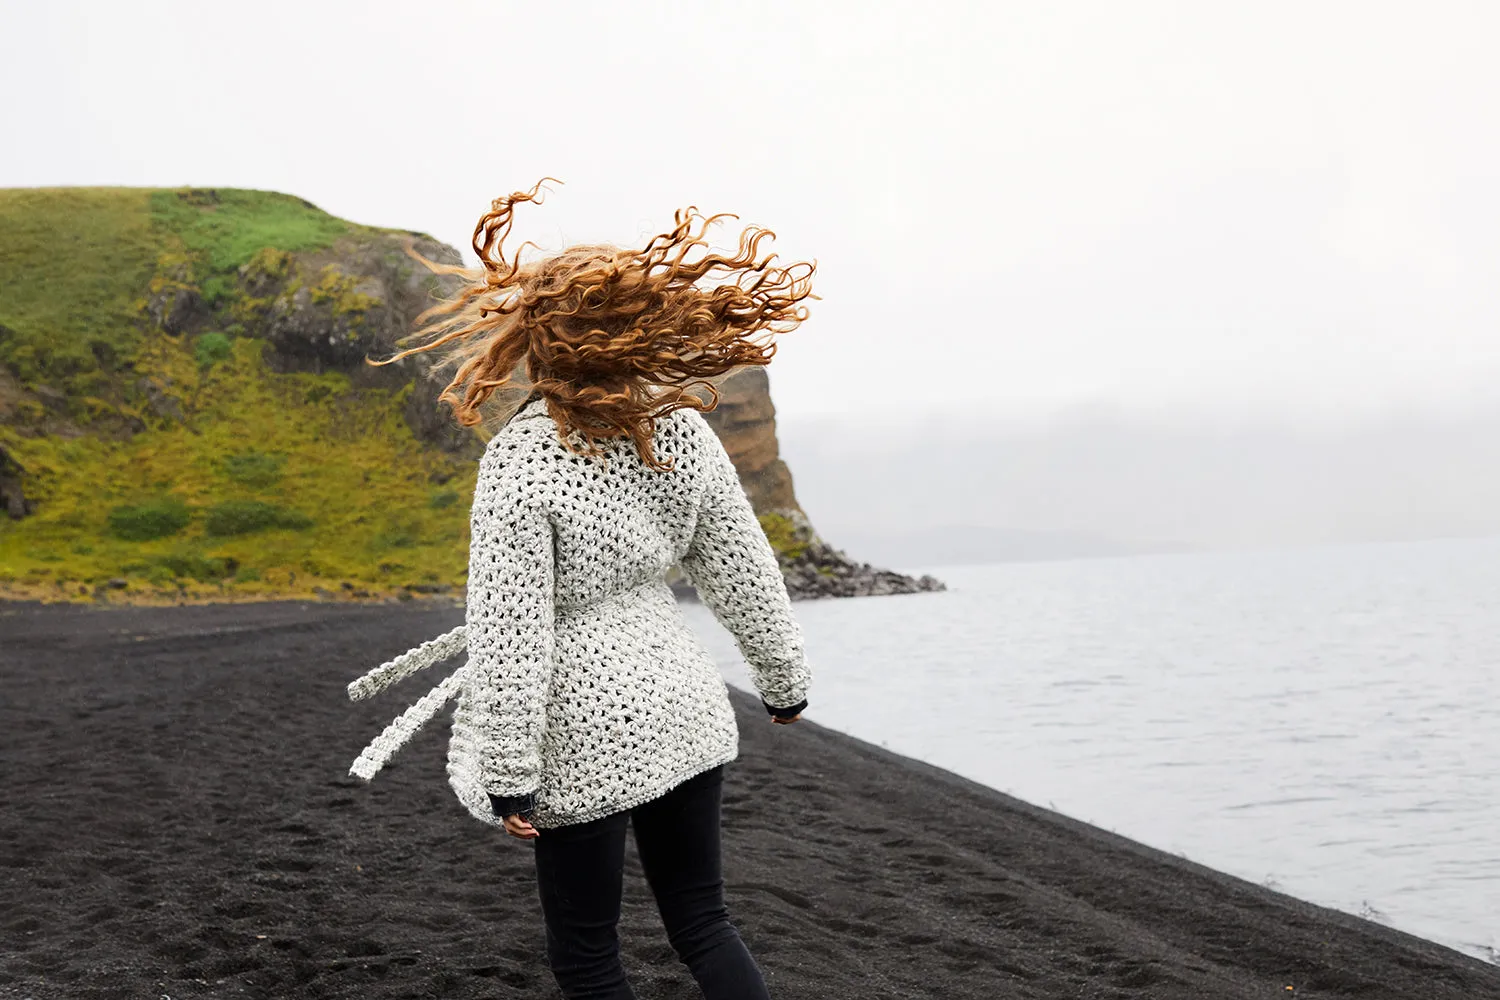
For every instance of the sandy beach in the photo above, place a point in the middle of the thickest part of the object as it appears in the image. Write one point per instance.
(179, 823)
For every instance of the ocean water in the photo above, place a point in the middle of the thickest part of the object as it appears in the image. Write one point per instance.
(1322, 721)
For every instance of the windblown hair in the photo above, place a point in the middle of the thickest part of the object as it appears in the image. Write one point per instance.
(612, 338)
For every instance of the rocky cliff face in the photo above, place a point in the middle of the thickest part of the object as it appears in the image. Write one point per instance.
(745, 421)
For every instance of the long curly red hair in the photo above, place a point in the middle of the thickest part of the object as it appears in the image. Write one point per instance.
(612, 338)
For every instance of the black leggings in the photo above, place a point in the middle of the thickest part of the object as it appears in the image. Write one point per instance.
(579, 872)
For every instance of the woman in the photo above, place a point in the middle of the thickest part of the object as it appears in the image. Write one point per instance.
(587, 702)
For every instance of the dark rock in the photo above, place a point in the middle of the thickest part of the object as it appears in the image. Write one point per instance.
(815, 569)
(160, 402)
(321, 336)
(12, 496)
(433, 422)
(116, 583)
(173, 302)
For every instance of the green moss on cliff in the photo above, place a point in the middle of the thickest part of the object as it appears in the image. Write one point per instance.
(338, 291)
(783, 535)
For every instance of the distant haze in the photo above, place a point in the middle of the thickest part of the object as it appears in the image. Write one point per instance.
(1101, 484)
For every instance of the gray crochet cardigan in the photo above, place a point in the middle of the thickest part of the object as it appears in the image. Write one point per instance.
(585, 691)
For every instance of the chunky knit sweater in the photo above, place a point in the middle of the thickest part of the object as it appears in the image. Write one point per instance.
(585, 691)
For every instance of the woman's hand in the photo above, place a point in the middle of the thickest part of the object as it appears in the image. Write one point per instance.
(518, 827)
(785, 722)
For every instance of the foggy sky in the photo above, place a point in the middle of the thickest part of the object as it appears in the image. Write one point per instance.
(1278, 209)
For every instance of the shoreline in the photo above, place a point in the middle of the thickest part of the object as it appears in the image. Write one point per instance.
(180, 821)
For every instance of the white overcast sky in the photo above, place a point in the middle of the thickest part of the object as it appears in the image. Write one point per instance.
(1282, 209)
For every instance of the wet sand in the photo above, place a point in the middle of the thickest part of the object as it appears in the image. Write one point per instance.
(178, 821)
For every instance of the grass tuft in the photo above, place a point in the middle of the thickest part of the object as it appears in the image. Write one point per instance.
(147, 521)
(241, 517)
(211, 348)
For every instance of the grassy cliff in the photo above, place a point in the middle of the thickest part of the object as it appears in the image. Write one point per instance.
(168, 447)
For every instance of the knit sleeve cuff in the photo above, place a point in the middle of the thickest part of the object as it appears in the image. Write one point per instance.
(512, 805)
(787, 712)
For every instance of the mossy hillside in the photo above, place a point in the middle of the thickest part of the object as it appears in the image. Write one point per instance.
(356, 499)
(253, 483)
(351, 497)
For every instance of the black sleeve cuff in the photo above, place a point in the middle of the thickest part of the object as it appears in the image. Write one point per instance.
(511, 805)
(785, 713)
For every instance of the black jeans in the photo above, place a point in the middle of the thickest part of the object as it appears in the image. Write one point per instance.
(579, 872)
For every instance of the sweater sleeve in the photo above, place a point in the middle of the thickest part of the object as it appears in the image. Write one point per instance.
(734, 568)
(509, 623)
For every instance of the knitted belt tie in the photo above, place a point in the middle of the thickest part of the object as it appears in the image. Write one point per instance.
(400, 731)
(383, 747)
(414, 659)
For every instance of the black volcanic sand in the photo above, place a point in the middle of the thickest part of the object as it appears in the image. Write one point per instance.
(178, 821)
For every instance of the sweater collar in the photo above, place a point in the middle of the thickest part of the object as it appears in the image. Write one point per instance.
(535, 408)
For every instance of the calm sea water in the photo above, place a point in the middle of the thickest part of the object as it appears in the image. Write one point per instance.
(1325, 722)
